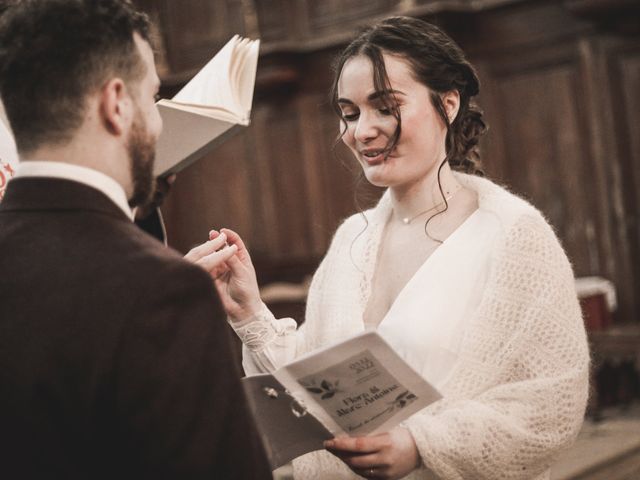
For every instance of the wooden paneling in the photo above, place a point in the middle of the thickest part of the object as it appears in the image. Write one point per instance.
(315, 155)
(213, 193)
(332, 14)
(623, 68)
(273, 19)
(189, 40)
(281, 183)
(537, 116)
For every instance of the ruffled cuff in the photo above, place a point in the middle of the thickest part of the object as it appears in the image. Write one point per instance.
(260, 330)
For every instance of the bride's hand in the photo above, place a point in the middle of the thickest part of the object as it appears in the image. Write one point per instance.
(238, 286)
(212, 255)
(389, 456)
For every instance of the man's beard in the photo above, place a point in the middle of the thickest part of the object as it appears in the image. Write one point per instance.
(142, 151)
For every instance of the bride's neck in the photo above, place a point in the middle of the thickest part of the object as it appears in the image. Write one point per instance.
(409, 200)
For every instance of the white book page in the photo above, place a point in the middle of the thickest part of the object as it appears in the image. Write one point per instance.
(358, 387)
(227, 81)
(211, 86)
(212, 111)
(248, 77)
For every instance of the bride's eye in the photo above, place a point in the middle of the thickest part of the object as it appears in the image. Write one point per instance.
(386, 107)
(350, 117)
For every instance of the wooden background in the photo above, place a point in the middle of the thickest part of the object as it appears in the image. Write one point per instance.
(560, 90)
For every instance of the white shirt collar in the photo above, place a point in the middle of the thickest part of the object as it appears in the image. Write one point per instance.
(76, 173)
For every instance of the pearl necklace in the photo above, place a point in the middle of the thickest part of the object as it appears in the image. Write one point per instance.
(408, 220)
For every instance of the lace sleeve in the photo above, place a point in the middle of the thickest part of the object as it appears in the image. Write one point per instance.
(267, 342)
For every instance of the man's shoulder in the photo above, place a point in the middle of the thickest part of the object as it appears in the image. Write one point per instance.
(128, 259)
(159, 282)
(149, 254)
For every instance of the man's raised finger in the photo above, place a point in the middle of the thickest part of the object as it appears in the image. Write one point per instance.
(215, 259)
(207, 248)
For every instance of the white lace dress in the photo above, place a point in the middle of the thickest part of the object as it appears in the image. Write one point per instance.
(491, 318)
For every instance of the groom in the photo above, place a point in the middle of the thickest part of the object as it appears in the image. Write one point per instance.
(115, 361)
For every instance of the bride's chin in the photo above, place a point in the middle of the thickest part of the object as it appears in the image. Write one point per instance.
(376, 181)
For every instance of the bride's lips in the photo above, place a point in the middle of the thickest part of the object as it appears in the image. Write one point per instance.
(373, 156)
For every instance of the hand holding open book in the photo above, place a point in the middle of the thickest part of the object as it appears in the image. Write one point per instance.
(209, 108)
(358, 387)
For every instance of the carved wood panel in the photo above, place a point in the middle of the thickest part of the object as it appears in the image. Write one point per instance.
(273, 19)
(213, 193)
(562, 134)
(190, 39)
(544, 155)
(286, 212)
(331, 14)
(623, 160)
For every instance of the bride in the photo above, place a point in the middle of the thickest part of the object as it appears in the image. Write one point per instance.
(464, 279)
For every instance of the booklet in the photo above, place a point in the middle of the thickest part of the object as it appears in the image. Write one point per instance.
(358, 387)
(210, 108)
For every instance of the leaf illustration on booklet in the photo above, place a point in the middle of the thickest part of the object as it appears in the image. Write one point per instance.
(210, 108)
(402, 400)
(358, 387)
(325, 390)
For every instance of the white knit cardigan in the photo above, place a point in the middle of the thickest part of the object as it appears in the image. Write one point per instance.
(517, 393)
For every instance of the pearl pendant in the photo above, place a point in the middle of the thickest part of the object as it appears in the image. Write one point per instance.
(405, 220)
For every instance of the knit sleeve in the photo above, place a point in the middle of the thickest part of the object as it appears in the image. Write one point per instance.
(516, 397)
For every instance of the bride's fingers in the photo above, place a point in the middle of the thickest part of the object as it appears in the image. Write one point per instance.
(222, 282)
(241, 272)
(219, 270)
(234, 239)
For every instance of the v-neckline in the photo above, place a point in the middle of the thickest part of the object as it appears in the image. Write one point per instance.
(447, 241)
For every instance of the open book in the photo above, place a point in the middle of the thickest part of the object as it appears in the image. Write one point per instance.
(357, 387)
(209, 108)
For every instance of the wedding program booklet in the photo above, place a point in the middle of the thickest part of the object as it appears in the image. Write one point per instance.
(210, 108)
(358, 387)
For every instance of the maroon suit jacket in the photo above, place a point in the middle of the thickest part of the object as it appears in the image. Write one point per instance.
(115, 359)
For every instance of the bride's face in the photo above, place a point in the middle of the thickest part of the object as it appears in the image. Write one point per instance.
(370, 125)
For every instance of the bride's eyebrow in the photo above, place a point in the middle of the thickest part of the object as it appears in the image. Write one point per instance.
(380, 93)
(373, 96)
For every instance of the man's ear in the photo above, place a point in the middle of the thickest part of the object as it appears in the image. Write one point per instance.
(116, 106)
(451, 102)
